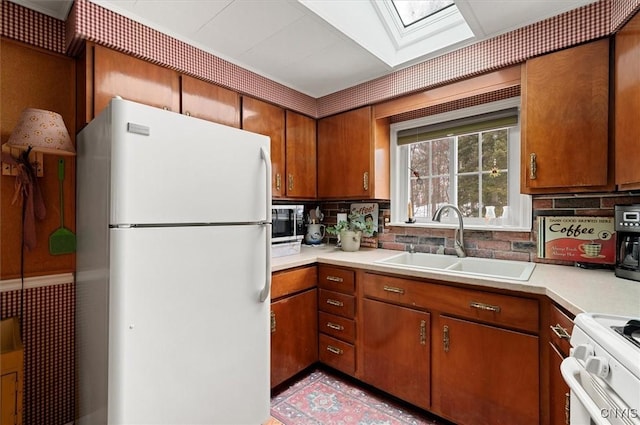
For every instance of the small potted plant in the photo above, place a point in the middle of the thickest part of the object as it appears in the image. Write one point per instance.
(350, 232)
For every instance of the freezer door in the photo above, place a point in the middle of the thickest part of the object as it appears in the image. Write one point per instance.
(170, 168)
(188, 336)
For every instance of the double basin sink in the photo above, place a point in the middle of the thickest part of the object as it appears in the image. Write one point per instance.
(467, 266)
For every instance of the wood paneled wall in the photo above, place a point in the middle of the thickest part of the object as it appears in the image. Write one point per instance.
(35, 78)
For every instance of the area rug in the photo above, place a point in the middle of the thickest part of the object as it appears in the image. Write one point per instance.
(322, 398)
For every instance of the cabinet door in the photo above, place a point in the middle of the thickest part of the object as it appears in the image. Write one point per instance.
(565, 99)
(294, 335)
(301, 155)
(265, 118)
(485, 375)
(627, 104)
(210, 102)
(345, 155)
(118, 74)
(396, 347)
(558, 390)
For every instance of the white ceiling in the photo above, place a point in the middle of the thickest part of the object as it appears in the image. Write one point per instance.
(314, 46)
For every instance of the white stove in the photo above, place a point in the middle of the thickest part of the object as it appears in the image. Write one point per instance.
(603, 370)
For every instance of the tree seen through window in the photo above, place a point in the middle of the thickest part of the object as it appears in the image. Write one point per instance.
(469, 170)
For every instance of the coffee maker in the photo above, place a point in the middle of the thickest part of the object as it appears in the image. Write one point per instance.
(628, 241)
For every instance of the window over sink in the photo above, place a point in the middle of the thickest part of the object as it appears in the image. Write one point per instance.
(468, 157)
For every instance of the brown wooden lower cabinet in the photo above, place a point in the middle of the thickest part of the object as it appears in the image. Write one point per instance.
(558, 390)
(558, 346)
(337, 311)
(294, 322)
(396, 346)
(294, 330)
(485, 375)
(338, 354)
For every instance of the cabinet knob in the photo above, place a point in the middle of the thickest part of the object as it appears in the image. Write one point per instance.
(187, 113)
(533, 166)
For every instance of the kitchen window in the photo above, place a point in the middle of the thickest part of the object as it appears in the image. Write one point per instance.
(468, 157)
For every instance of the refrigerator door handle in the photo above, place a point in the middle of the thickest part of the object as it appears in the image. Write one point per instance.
(264, 294)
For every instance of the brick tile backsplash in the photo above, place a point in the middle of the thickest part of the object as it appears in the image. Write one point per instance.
(519, 245)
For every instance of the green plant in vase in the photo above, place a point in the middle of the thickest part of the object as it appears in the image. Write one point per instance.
(350, 232)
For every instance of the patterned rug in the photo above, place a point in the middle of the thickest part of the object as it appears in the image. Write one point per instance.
(322, 398)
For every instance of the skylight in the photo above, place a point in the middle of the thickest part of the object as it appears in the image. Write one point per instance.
(412, 11)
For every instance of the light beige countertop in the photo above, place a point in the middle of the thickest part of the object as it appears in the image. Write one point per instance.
(576, 289)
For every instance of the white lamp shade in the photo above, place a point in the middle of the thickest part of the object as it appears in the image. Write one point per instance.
(44, 131)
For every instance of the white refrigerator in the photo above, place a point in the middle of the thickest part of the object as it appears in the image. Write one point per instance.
(173, 270)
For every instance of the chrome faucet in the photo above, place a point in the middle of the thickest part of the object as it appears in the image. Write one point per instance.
(459, 242)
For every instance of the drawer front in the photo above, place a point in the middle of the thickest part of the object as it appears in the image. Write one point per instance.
(292, 281)
(397, 290)
(561, 327)
(335, 279)
(506, 310)
(336, 326)
(337, 303)
(337, 354)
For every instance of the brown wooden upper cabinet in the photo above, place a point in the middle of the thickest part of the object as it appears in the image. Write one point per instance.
(300, 156)
(564, 121)
(109, 73)
(209, 102)
(264, 118)
(353, 156)
(627, 104)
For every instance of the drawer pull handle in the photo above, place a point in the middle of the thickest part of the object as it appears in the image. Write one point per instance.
(335, 303)
(335, 326)
(393, 289)
(365, 180)
(334, 350)
(567, 408)
(533, 166)
(273, 321)
(445, 338)
(485, 307)
(290, 181)
(423, 332)
(560, 332)
(335, 279)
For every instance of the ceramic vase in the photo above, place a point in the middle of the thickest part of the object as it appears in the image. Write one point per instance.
(350, 240)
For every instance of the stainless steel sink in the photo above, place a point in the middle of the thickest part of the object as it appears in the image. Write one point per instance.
(483, 267)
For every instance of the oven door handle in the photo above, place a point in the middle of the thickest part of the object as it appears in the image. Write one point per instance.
(570, 369)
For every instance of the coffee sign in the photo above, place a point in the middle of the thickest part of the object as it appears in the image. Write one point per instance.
(579, 239)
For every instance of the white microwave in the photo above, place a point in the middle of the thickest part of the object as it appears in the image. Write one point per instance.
(287, 223)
